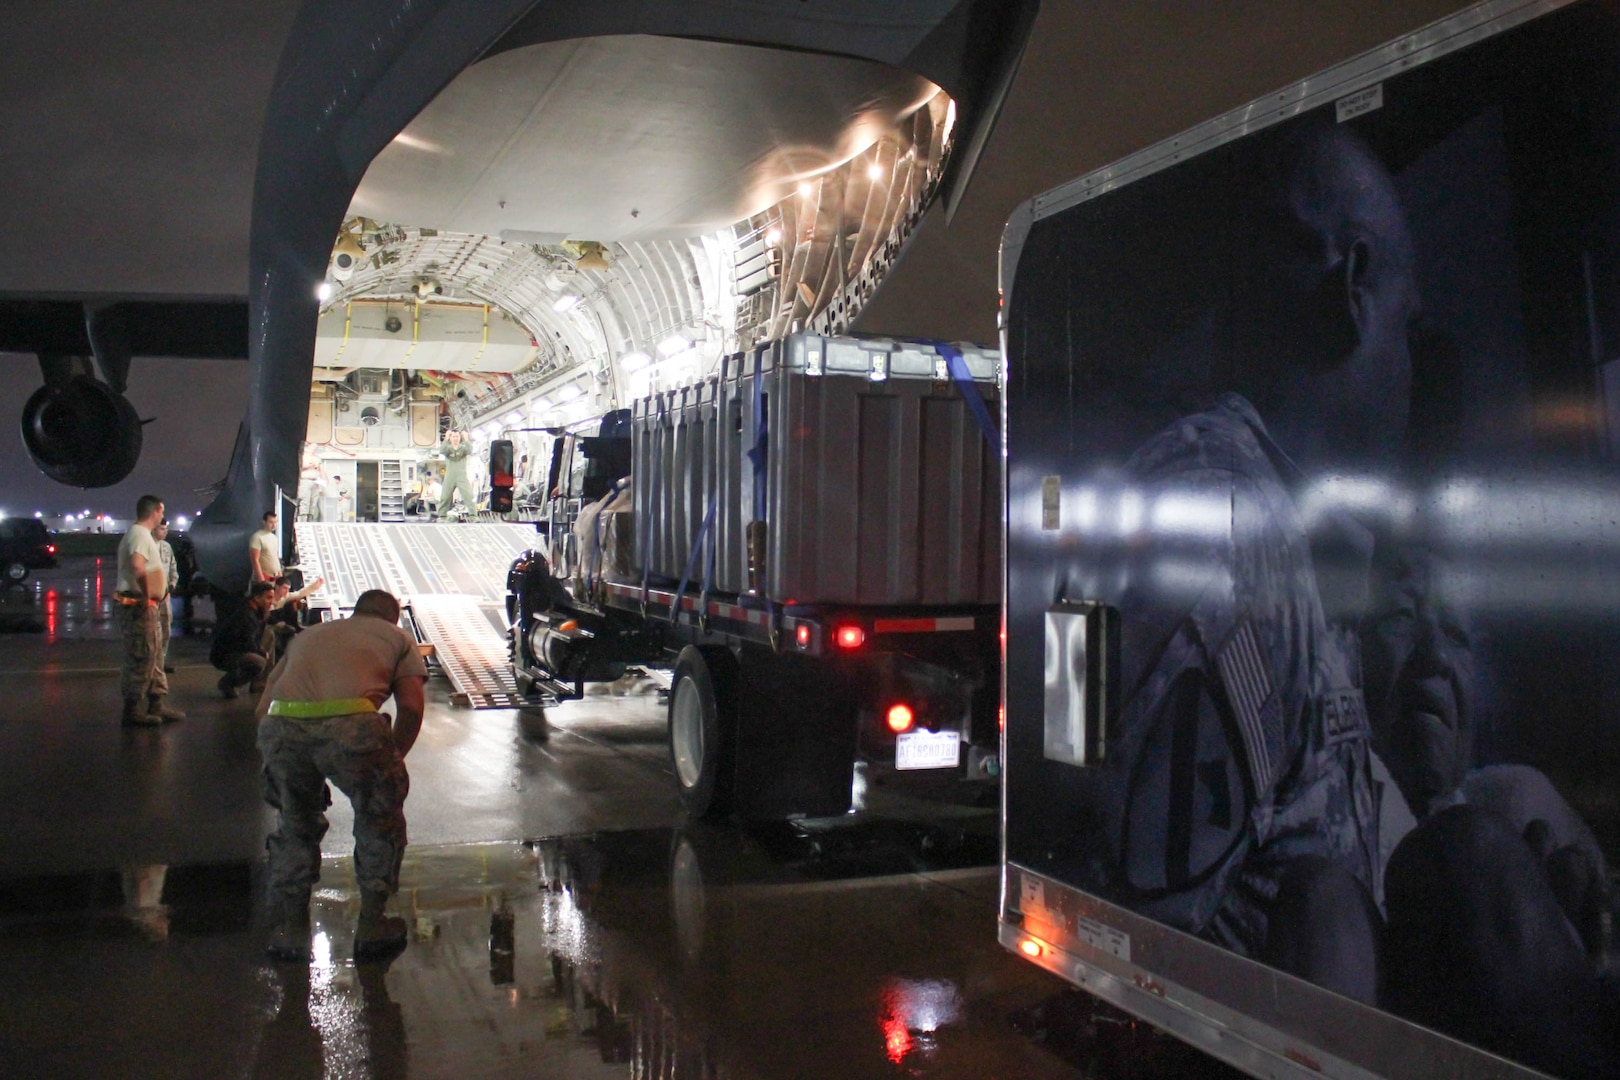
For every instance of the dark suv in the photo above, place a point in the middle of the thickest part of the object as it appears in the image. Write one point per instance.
(24, 546)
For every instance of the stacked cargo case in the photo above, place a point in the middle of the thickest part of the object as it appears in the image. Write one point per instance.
(862, 457)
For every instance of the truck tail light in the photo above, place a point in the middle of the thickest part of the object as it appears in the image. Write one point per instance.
(1030, 947)
(802, 635)
(900, 718)
(50, 549)
(850, 637)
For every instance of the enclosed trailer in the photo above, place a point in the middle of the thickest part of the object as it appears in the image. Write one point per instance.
(810, 540)
(1312, 415)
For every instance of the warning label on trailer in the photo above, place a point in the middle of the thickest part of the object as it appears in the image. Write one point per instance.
(1105, 938)
(1362, 101)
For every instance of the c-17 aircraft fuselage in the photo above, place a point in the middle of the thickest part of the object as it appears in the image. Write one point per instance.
(353, 77)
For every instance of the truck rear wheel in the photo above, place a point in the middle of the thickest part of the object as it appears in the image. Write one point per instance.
(702, 721)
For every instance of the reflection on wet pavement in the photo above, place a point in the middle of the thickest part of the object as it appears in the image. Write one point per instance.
(621, 947)
(661, 954)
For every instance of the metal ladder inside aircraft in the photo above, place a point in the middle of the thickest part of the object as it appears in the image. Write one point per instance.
(390, 492)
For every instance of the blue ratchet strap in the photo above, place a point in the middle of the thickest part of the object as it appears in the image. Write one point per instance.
(691, 563)
(970, 392)
(714, 490)
(657, 456)
(760, 457)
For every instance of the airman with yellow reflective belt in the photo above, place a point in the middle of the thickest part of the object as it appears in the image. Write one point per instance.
(319, 722)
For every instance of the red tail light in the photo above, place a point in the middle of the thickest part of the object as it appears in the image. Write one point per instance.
(50, 549)
(900, 718)
(802, 635)
(850, 637)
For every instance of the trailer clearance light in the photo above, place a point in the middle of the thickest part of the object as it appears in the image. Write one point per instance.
(1030, 947)
(802, 635)
(900, 718)
(850, 637)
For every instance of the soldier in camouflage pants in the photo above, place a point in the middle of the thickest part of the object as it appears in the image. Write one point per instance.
(358, 754)
(142, 677)
(319, 721)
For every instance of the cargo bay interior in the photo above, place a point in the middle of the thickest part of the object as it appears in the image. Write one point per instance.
(572, 225)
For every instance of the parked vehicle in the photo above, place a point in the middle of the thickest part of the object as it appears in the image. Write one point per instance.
(1313, 602)
(25, 545)
(811, 542)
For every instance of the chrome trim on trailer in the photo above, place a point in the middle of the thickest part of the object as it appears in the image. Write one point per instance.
(1170, 979)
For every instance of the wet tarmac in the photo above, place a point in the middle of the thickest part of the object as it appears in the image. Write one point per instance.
(566, 921)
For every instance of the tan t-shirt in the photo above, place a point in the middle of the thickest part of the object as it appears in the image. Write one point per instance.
(360, 656)
(137, 541)
(268, 546)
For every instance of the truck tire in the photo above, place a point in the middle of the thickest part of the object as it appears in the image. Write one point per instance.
(702, 720)
(16, 571)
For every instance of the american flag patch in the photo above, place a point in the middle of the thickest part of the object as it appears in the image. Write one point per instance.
(1243, 671)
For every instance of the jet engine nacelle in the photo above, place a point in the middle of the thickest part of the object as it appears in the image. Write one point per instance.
(82, 432)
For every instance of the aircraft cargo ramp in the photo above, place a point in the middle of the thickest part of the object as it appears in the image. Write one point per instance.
(453, 579)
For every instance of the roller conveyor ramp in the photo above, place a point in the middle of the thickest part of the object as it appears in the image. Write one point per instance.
(451, 577)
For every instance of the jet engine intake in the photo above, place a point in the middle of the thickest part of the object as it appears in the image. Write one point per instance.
(81, 432)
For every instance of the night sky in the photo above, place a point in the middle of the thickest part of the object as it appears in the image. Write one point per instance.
(197, 405)
(128, 147)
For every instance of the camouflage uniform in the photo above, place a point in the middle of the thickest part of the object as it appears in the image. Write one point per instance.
(165, 609)
(357, 753)
(455, 478)
(322, 724)
(141, 676)
(1243, 744)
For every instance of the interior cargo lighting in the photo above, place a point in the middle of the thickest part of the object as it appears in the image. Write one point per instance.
(568, 393)
(634, 361)
(802, 635)
(850, 637)
(1030, 947)
(323, 291)
(674, 345)
(900, 718)
(874, 171)
(566, 302)
(773, 237)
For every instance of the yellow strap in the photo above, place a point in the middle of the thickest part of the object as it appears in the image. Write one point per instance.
(320, 710)
(416, 332)
(485, 344)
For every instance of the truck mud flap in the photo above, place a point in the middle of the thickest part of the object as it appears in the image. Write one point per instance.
(795, 738)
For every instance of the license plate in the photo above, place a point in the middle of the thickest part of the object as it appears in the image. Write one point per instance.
(927, 750)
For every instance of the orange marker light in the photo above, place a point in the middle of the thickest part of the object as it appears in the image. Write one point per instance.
(1030, 948)
(851, 637)
(802, 635)
(900, 718)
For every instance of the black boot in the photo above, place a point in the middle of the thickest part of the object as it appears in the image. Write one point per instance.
(378, 936)
(289, 935)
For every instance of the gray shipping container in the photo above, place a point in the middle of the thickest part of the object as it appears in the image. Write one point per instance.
(879, 487)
